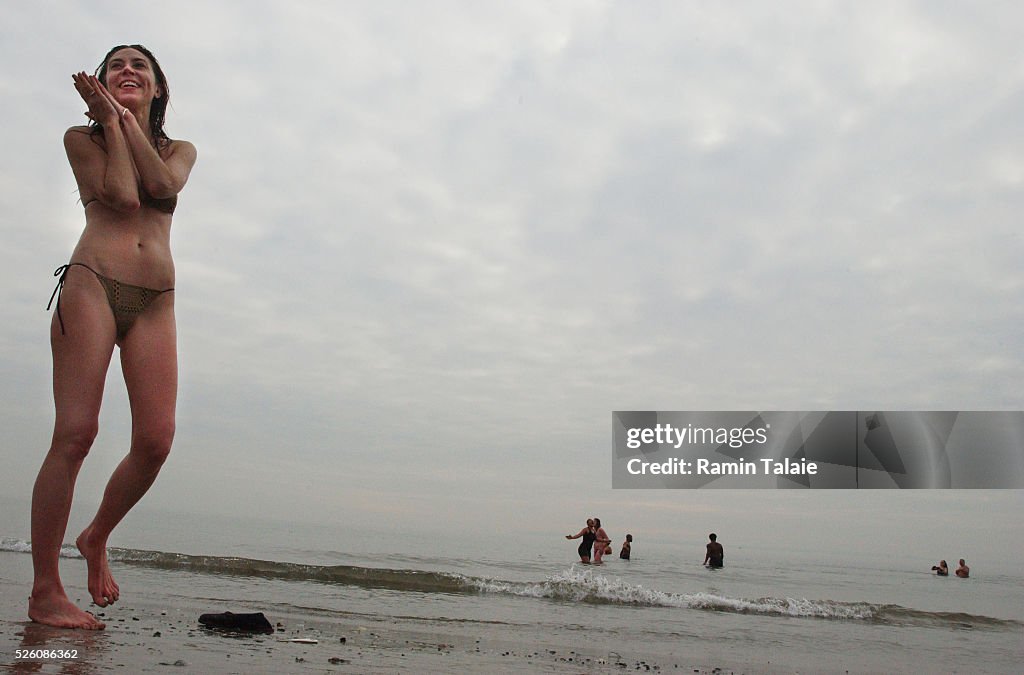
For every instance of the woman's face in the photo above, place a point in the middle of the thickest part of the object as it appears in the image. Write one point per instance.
(590, 522)
(130, 77)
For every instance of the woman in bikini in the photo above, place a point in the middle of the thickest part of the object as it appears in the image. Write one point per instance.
(117, 289)
(601, 542)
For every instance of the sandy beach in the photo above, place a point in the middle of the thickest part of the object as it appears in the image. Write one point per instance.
(145, 635)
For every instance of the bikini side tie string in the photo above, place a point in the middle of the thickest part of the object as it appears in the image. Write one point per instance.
(61, 272)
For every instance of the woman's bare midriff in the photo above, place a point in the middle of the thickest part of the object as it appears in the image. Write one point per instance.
(134, 248)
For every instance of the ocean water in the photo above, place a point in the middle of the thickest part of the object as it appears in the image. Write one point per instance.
(767, 610)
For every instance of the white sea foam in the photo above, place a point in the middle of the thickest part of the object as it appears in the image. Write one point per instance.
(21, 546)
(15, 545)
(576, 585)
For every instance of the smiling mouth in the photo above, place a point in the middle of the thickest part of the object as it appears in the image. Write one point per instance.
(130, 85)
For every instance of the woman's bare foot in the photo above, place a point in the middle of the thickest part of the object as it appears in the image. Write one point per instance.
(57, 610)
(102, 586)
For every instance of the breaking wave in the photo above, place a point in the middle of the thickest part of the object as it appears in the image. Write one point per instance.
(571, 585)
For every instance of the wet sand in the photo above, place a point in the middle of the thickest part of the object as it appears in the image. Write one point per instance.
(158, 632)
(140, 639)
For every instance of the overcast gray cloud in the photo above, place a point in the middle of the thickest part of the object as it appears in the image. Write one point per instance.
(427, 249)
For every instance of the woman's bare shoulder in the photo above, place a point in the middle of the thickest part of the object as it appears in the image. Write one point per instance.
(78, 131)
(178, 146)
(79, 136)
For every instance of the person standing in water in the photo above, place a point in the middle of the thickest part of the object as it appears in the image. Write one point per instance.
(627, 547)
(117, 289)
(588, 535)
(601, 541)
(715, 556)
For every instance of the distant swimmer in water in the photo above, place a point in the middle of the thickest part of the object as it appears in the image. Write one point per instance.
(601, 541)
(963, 571)
(588, 535)
(942, 569)
(627, 546)
(715, 556)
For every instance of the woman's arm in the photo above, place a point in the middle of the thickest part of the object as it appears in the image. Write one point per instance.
(161, 177)
(105, 173)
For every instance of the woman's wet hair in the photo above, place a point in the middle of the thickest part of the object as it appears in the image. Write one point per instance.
(158, 107)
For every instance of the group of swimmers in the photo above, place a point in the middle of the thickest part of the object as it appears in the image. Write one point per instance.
(596, 539)
(942, 569)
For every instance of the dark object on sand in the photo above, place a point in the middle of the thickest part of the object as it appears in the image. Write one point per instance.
(239, 623)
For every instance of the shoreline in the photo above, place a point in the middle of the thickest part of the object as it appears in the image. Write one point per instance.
(154, 631)
(139, 638)
(341, 627)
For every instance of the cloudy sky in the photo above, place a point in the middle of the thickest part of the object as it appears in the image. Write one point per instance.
(428, 248)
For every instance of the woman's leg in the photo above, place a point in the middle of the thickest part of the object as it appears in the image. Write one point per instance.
(81, 356)
(149, 361)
